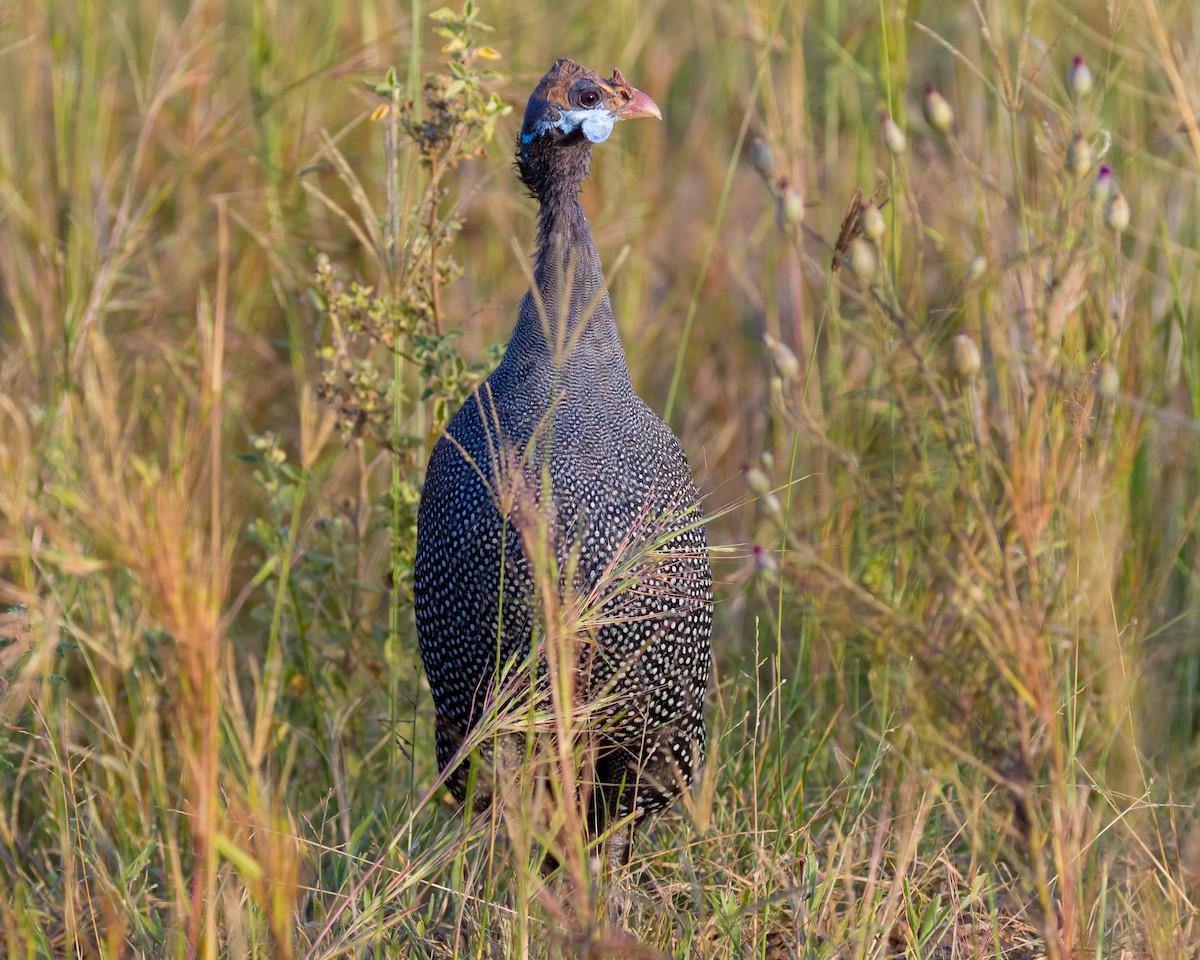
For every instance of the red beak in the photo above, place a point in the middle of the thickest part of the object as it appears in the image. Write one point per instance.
(639, 105)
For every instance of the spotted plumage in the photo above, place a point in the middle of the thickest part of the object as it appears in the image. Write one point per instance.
(555, 476)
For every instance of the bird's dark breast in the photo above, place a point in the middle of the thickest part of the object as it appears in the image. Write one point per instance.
(616, 493)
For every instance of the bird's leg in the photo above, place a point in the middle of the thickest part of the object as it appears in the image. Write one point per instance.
(618, 847)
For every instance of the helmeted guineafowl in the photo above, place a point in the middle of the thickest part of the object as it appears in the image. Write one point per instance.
(556, 453)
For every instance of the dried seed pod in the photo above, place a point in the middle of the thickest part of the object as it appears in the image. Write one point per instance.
(758, 482)
(1116, 212)
(1079, 156)
(976, 266)
(783, 358)
(1108, 381)
(870, 220)
(762, 158)
(938, 112)
(964, 357)
(893, 137)
(862, 259)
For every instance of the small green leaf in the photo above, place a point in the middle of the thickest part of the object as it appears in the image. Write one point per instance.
(245, 864)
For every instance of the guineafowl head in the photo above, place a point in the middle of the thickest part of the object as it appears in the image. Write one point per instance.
(572, 108)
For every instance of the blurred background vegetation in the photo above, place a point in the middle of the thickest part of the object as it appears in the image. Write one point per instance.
(251, 259)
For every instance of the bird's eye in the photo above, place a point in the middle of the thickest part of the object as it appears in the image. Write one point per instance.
(589, 98)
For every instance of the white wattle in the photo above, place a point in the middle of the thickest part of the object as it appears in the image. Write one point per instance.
(596, 123)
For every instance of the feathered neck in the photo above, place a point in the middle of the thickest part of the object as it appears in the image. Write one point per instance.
(554, 169)
(575, 323)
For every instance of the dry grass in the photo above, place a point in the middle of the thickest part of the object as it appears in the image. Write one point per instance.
(955, 706)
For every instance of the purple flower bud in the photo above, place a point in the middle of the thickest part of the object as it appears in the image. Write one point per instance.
(1079, 78)
(765, 564)
(789, 209)
(1103, 185)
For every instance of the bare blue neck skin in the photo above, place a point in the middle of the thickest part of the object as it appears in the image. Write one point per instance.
(595, 124)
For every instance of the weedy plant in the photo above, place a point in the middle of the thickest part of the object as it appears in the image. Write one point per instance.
(988, 462)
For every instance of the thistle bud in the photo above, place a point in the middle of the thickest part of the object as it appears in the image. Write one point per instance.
(1079, 156)
(758, 482)
(870, 220)
(977, 266)
(1079, 78)
(782, 357)
(1108, 381)
(765, 564)
(771, 506)
(761, 157)
(1102, 186)
(964, 357)
(862, 259)
(893, 137)
(938, 112)
(789, 209)
(1116, 212)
